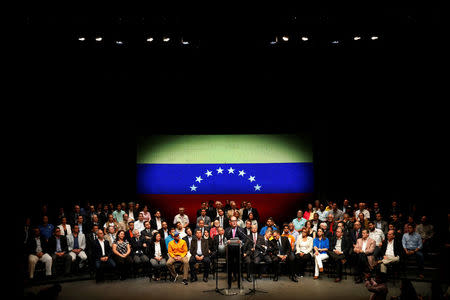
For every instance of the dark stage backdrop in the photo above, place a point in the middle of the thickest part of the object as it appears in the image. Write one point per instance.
(273, 171)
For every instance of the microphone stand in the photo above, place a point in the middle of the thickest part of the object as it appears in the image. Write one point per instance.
(253, 290)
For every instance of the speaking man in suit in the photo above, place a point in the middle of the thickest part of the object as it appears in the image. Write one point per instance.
(233, 232)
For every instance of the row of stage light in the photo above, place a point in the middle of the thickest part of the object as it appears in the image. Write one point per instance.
(278, 40)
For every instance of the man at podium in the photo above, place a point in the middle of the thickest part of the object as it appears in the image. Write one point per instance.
(234, 232)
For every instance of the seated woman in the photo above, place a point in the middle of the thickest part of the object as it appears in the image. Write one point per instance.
(252, 219)
(310, 230)
(158, 255)
(320, 246)
(121, 249)
(303, 248)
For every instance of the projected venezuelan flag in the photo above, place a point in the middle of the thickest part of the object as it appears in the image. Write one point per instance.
(272, 171)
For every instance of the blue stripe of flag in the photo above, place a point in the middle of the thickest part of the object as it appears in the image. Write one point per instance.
(181, 178)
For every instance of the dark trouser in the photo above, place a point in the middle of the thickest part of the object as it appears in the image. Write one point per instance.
(302, 261)
(67, 263)
(100, 267)
(123, 265)
(265, 258)
(336, 259)
(376, 252)
(362, 264)
(249, 264)
(419, 259)
(290, 261)
(206, 264)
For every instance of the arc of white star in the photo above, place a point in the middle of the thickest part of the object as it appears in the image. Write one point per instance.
(208, 173)
(257, 187)
(199, 179)
(230, 170)
(193, 188)
(241, 173)
(251, 178)
(219, 170)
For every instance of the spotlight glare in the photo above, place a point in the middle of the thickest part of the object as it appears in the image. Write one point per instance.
(81, 39)
(99, 39)
(185, 42)
(373, 38)
(119, 42)
(357, 38)
(274, 42)
(285, 38)
(166, 39)
(335, 42)
(150, 39)
(304, 38)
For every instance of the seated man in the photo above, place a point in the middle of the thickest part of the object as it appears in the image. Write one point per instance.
(380, 223)
(129, 233)
(76, 245)
(102, 253)
(219, 244)
(169, 238)
(412, 244)
(138, 249)
(201, 227)
(363, 250)
(282, 252)
(378, 236)
(180, 229)
(339, 250)
(264, 254)
(290, 237)
(58, 249)
(178, 252)
(252, 249)
(139, 224)
(299, 222)
(390, 251)
(147, 233)
(270, 223)
(426, 232)
(199, 254)
(37, 250)
(206, 219)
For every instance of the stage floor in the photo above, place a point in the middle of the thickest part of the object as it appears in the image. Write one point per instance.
(323, 288)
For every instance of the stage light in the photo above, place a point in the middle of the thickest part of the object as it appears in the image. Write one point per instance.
(373, 38)
(150, 39)
(304, 38)
(81, 39)
(285, 38)
(99, 39)
(274, 42)
(184, 42)
(335, 42)
(119, 43)
(357, 38)
(166, 39)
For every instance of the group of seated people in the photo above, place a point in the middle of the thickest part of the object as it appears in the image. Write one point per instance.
(126, 239)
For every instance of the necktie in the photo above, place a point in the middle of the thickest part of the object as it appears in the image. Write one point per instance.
(220, 243)
(254, 238)
(234, 232)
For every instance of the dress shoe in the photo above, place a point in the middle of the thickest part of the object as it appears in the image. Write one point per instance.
(249, 279)
(320, 269)
(343, 261)
(316, 277)
(275, 278)
(205, 279)
(337, 279)
(294, 279)
(185, 282)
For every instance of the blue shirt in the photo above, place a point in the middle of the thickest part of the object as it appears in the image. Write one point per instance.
(321, 244)
(299, 224)
(167, 240)
(412, 241)
(46, 231)
(118, 215)
(264, 229)
(75, 242)
(58, 245)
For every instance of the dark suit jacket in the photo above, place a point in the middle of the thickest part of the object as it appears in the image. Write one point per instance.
(398, 248)
(259, 241)
(346, 244)
(31, 245)
(204, 245)
(161, 231)
(128, 236)
(138, 245)
(355, 237)
(215, 244)
(239, 233)
(151, 250)
(206, 228)
(245, 214)
(52, 244)
(186, 239)
(284, 243)
(97, 249)
(89, 242)
(147, 236)
(226, 222)
(153, 225)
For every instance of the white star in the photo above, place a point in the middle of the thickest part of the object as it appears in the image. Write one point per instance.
(241, 173)
(251, 178)
(208, 173)
(193, 188)
(219, 170)
(199, 179)
(230, 170)
(257, 187)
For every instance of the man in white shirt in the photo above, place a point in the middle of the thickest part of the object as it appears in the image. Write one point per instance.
(139, 224)
(181, 217)
(377, 235)
(390, 251)
(362, 209)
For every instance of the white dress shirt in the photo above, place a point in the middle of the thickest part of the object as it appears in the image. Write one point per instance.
(304, 246)
(390, 248)
(364, 244)
(157, 249)
(102, 245)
